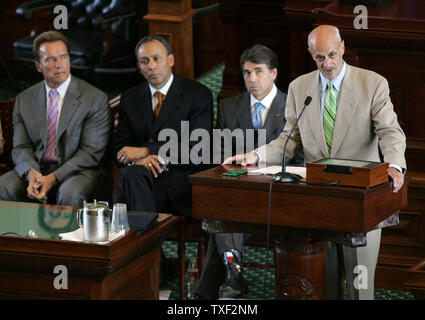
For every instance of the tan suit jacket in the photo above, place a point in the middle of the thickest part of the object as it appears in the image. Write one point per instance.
(365, 118)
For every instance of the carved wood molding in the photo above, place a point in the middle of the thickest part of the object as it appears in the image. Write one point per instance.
(293, 287)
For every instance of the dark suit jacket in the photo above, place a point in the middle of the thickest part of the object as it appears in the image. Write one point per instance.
(235, 113)
(186, 100)
(83, 131)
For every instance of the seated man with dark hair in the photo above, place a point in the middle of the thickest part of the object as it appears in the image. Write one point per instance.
(61, 127)
(261, 107)
(165, 101)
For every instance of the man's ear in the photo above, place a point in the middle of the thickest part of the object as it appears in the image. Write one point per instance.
(171, 59)
(342, 48)
(37, 66)
(274, 72)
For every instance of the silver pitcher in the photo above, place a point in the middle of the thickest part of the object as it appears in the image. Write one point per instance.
(95, 221)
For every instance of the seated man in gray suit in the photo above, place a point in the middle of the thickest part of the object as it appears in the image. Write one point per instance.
(61, 129)
(262, 107)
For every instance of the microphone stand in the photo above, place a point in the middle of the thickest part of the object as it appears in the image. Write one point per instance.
(284, 176)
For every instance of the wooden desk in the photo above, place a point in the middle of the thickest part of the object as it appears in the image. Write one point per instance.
(300, 256)
(125, 268)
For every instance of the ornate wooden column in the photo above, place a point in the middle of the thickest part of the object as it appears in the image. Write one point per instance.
(232, 80)
(172, 19)
(300, 265)
(300, 17)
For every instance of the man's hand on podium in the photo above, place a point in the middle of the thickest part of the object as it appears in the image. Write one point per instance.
(398, 178)
(244, 159)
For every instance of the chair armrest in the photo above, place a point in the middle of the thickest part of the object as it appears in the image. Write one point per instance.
(26, 10)
(114, 104)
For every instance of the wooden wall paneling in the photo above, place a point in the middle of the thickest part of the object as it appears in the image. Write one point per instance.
(172, 19)
(247, 23)
(300, 17)
(403, 246)
(208, 37)
(12, 27)
(229, 13)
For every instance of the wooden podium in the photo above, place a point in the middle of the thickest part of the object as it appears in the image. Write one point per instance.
(306, 216)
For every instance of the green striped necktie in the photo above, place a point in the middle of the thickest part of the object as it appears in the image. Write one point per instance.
(329, 114)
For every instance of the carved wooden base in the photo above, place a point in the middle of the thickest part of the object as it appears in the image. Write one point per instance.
(300, 269)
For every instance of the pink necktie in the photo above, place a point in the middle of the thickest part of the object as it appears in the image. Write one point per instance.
(50, 154)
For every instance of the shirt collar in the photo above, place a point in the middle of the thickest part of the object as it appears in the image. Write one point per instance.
(267, 100)
(61, 89)
(164, 89)
(337, 81)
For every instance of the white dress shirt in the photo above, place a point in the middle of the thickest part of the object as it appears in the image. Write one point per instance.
(266, 102)
(163, 90)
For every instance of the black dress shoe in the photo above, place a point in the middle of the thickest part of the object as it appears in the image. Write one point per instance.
(234, 284)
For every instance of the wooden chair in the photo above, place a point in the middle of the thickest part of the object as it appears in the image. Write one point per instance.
(188, 230)
(6, 118)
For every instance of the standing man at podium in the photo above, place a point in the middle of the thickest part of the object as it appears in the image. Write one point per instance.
(350, 115)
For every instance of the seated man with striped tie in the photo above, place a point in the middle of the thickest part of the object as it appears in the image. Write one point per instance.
(61, 129)
(261, 107)
(165, 102)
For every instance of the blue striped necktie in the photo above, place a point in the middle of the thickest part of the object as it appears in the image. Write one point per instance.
(329, 115)
(257, 121)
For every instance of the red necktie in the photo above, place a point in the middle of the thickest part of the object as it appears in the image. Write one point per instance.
(157, 108)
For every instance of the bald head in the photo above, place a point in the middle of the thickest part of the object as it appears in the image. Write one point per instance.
(327, 50)
(323, 33)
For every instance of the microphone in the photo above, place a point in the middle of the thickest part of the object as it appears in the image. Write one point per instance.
(287, 176)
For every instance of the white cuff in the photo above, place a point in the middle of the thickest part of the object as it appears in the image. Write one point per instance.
(396, 166)
(259, 156)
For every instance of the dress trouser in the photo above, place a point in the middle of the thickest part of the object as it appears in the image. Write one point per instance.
(368, 257)
(71, 192)
(169, 193)
(358, 265)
